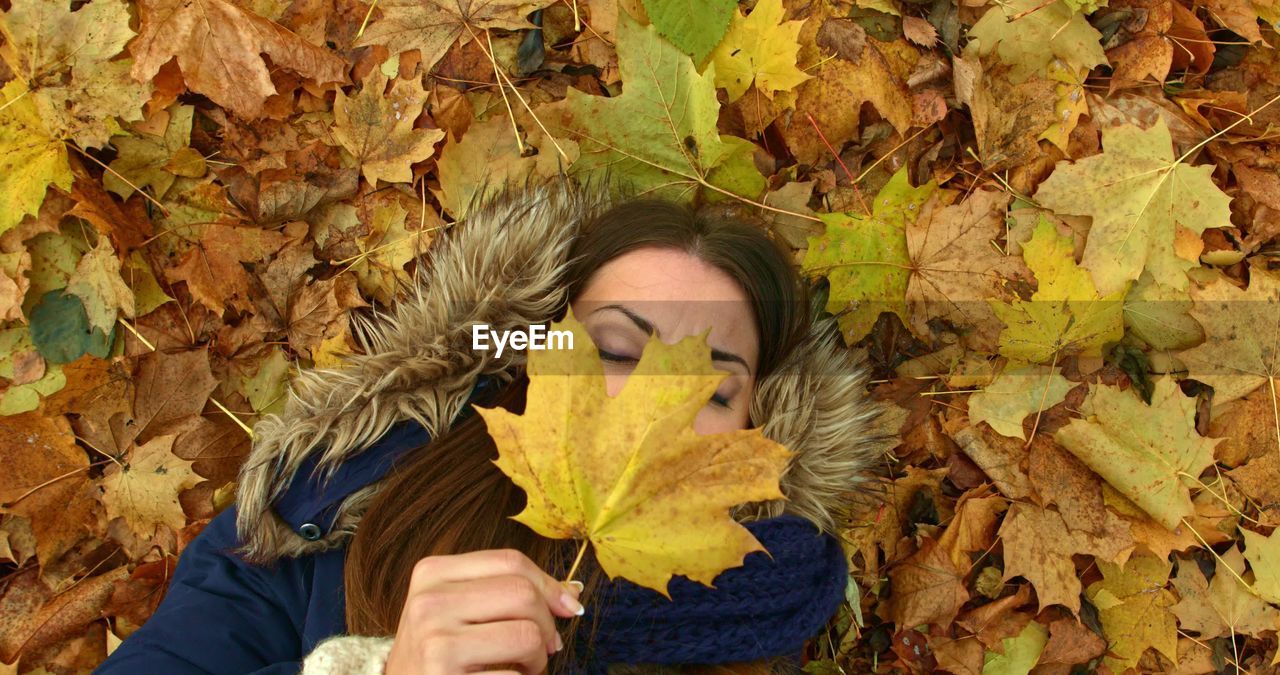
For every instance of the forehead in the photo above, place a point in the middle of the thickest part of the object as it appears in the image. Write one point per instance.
(679, 294)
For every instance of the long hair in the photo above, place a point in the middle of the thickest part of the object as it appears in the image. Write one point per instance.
(447, 496)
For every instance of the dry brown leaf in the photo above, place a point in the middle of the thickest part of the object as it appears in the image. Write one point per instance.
(218, 46)
(957, 269)
(1039, 543)
(927, 588)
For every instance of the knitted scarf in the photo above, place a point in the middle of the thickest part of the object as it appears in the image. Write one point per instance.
(767, 607)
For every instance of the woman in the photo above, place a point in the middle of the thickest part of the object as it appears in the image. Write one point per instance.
(437, 578)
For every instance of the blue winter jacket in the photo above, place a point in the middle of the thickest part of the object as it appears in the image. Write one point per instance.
(222, 615)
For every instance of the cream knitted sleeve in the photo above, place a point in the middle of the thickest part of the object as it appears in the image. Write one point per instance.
(348, 655)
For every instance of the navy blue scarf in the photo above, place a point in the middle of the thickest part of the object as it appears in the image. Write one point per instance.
(765, 608)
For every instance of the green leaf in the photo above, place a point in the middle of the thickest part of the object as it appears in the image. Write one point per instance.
(659, 136)
(695, 26)
(1021, 652)
(61, 332)
(865, 257)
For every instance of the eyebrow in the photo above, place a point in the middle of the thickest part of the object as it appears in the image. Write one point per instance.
(648, 327)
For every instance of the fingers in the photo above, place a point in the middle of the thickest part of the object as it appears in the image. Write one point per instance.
(510, 643)
(491, 599)
(435, 570)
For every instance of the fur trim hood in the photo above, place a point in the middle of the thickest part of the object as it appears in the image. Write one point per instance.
(503, 266)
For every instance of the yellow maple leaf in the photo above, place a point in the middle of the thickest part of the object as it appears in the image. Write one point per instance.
(1150, 453)
(1134, 607)
(144, 490)
(30, 159)
(627, 472)
(1066, 314)
(759, 47)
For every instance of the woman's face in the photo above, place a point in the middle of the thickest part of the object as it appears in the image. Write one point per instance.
(675, 295)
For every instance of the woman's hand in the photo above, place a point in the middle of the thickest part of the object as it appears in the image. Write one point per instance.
(467, 611)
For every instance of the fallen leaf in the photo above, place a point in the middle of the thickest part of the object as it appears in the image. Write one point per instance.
(1139, 196)
(1161, 315)
(1263, 554)
(155, 161)
(1066, 315)
(760, 48)
(487, 157)
(1029, 34)
(1021, 652)
(44, 481)
(695, 27)
(219, 47)
(1152, 454)
(927, 588)
(432, 26)
(65, 60)
(34, 616)
(1039, 543)
(1134, 608)
(31, 159)
(1015, 394)
(1224, 606)
(956, 271)
(143, 487)
(865, 257)
(170, 389)
(378, 129)
(1238, 354)
(660, 134)
(629, 474)
(97, 283)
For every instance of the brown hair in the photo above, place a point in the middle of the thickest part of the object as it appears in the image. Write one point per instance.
(447, 497)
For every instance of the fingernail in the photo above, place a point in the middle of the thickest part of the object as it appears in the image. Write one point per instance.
(578, 585)
(559, 642)
(571, 604)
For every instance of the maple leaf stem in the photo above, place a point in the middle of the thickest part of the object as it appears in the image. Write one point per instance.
(53, 480)
(502, 77)
(15, 99)
(888, 154)
(1246, 117)
(1206, 647)
(1044, 396)
(1025, 12)
(511, 114)
(576, 561)
(1275, 411)
(367, 14)
(126, 181)
(136, 334)
(233, 416)
(1209, 548)
(1220, 497)
(852, 181)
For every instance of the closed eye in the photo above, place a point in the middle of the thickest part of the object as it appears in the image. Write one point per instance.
(615, 358)
(619, 358)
